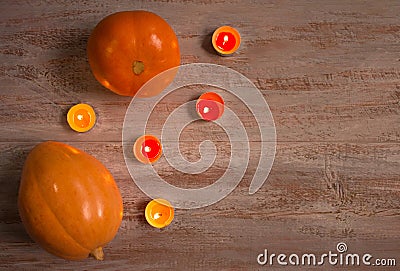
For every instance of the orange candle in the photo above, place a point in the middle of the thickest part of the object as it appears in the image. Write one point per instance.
(226, 40)
(147, 149)
(210, 106)
(159, 213)
(81, 117)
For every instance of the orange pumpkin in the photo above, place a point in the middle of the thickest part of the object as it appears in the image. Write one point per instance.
(68, 201)
(126, 49)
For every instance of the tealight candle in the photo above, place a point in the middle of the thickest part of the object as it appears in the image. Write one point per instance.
(159, 213)
(226, 40)
(147, 149)
(210, 106)
(81, 117)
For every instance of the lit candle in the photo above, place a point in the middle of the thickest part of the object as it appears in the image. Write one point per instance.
(81, 117)
(159, 213)
(226, 40)
(210, 106)
(147, 149)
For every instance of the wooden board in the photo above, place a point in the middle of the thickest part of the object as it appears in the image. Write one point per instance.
(330, 72)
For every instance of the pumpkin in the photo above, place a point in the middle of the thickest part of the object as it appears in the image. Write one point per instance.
(68, 201)
(126, 49)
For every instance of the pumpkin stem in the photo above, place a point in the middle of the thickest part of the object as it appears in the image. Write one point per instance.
(97, 253)
(137, 67)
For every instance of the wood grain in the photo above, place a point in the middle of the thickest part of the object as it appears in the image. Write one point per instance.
(330, 72)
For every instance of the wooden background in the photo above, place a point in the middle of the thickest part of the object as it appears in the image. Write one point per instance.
(329, 70)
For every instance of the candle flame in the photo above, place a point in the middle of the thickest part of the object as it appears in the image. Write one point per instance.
(147, 149)
(226, 38)
(206, 110)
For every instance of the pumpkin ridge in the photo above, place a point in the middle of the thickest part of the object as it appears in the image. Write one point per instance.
(57, 219)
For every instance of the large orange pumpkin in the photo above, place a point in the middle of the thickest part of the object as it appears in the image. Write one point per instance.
(126, 49)
(68, 201)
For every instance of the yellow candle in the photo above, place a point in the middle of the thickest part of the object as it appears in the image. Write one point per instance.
(159, 213)
(81, 117)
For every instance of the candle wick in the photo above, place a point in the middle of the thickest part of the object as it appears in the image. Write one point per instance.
(157, 215)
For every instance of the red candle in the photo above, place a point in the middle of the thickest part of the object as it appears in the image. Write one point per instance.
(147, 149)
(226, 40)
(210, 106)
